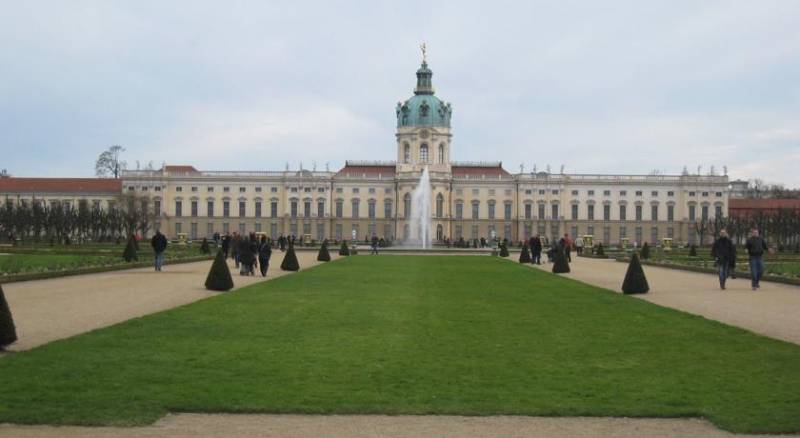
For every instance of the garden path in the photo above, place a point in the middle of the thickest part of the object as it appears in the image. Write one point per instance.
(401, 426)
(773, 310)
(47, 310)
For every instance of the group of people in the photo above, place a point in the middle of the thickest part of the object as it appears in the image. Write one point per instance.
(724, 253)
(248, 251)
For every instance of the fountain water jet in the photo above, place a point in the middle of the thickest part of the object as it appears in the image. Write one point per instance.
(420, 220)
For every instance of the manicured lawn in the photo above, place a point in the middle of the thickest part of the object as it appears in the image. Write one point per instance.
(411, 335)
(21, 263)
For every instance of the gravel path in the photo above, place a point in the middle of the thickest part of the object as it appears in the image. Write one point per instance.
(47, 310)
(772, 311)
(362, 426)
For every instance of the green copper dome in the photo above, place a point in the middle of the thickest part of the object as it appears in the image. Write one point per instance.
(423, 108)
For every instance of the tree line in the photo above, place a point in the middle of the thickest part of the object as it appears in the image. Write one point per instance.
(781, 227)
(37, 221)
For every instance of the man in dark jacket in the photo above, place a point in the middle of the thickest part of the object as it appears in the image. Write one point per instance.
(724, 253)
(374, 245)
(264, 253)
(226, 244)
(756, 245)
(536, 250)
(159, 244)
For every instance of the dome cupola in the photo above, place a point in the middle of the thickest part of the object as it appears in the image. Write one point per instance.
(423, 108)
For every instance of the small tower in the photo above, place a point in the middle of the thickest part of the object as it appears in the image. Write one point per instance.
(423, 127)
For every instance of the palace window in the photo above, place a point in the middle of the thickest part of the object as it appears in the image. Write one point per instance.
(439, 205)
(178, 208)
(574, 211)
(591, 192)
(670, 194)
(654, 193)
(209, 189)
(423, 153)
(406, 153)
(554, 209)
(387, 209)
(193, 189)
(528, 212)
(441, 153)
(507, 211)
(258, 208)
(606, 212)
(704, 212)
(718, 212)
(459, 210)
(194, 208)
(670, 213)
(606, 192)
(638, 193)
(653, 212)
(574, 193)
(258, 190)
(476, 209)
(273, 189)
(491, 209)
(226, 189)
(156, 207)
(307, 209)
(242, 208)
(273, 209)
(590, 212)
(692, 214)
(638, 212)
(307, 190)
(371, 210)
(541, 211)
(339, 209)
(293, 208)
(407, 206)
(320, 208)
(226, 208)
(355, 204)
(623, 193)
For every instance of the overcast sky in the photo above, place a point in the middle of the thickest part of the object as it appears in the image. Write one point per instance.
(601, 87)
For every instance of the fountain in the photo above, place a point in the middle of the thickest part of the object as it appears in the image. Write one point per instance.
(420, 220)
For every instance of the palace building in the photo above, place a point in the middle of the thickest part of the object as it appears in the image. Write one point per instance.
(469, 199)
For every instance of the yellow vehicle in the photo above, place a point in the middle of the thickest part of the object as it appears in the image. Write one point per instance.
(666, 244)
(625, 242)
(588, 241)
(259, 235)
(307, 239)
(183, 238)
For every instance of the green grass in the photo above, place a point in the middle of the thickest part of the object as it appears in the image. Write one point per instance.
(411, 335)
(23, 263)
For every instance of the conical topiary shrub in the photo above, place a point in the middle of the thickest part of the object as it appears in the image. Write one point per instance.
(204, 247)
(8, 334)
(219, 277)
(600, 251)
(129, 255)
(290, 262)
(560, 263)
(524, 254)
(645, 251)
(635, 281)
(324, 255)
(503, 249)
(692, 251)
(344, 250)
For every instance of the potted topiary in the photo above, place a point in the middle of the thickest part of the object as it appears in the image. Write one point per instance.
(635, 281)
(600, 251)
(219, 276)
(290, 260)
(560, 263)
(524, 254)
(504, 249)
(8, 333)
(692, 251)
(204, 249)
(129, 255)
(324, 255)
(344, 250)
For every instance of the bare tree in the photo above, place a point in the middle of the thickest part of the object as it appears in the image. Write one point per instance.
(109, 162)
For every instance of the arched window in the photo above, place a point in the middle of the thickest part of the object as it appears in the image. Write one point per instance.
(423, 153)
(439, 205)
(406, 153)
(407, 206)
(441, 153)
(439, 232)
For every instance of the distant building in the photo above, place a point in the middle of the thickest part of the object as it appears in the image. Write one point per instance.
(470, 200)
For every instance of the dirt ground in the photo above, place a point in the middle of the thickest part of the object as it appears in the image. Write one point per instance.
(363, 426)
(773, 310)
(47, 310)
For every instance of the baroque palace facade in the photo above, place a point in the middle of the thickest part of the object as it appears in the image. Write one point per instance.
(469, 199)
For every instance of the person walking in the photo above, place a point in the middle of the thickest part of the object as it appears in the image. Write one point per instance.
(723, 251)
(756, 245)
(226, 244)
(159, 244)
(245, 256)
(579, 245)
(374, 245)
(536, 250)
(566, 244)
(264, 253)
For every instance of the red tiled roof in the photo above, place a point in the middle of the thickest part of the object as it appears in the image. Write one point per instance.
(356, 171)
(179, 169)
(61, 185)
(489, 171)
